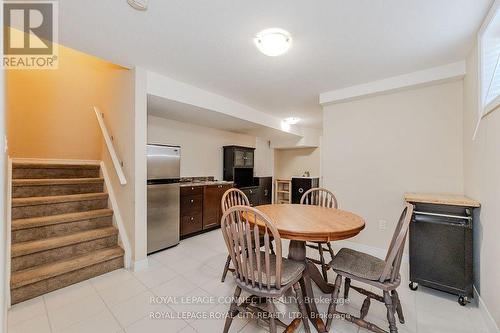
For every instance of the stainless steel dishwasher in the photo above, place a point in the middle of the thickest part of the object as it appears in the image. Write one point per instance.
(163, 197)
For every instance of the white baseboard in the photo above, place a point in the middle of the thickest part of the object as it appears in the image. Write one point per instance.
(488, 318)
(371, 250)
(140, 265)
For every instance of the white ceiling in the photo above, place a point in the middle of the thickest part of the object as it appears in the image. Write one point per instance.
(337, 43)
(165, 108)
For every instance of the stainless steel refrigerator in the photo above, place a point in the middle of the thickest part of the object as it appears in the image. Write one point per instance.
(163, 196)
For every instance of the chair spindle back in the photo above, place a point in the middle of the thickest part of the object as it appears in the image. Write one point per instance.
(242, 227)
(233, 197)
(319, 197)
(395, 252)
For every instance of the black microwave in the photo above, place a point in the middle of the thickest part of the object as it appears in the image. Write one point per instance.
(243, 177)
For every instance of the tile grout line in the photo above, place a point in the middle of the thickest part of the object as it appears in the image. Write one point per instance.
(93, 315)
(147, 290)
(107, 307)
(201, 287)
(47, 313)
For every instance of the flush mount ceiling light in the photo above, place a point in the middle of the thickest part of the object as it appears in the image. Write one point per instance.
(273, 42)
(291, 120)
(138, 4)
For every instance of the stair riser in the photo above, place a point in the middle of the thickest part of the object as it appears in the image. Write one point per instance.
(50, 190)
(57, 208)
(61, 229)
(39, 288)
(37, 173)
(49, 256)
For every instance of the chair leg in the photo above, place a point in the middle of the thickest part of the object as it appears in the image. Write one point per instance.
(322, 260)
(232, 309)
(226, 269)
(390, 312)
(272, 314)
(302, 307)
(347, 287)
(332, 254)
(397, 303)
(332, 308)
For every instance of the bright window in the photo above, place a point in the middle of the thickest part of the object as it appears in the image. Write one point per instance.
(489, 38)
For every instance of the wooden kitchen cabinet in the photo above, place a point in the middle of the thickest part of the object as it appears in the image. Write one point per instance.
(212, 211)
(191, 210)
(200, 208)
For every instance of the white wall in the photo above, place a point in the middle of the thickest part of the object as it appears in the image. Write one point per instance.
(294, 162)
(140, 168)
(482, 182)
(376, 149)
(201, 146)
(264, 158)
(117, 105)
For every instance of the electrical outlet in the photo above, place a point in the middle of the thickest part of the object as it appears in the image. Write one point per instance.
(382, 225)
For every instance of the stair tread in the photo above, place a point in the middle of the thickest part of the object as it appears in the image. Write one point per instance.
(32, 201)
(29, 247)
(46, 271)
(43, 221)
(55, 181)
(34, 165)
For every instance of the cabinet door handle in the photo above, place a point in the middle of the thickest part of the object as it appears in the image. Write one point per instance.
(192, 201)
(192, 219)
(220, 186)
(192, 188)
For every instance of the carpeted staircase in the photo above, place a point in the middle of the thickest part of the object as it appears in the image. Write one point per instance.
(62, 230)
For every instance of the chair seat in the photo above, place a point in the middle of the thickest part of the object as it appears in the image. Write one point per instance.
(291, 270)
(358, 264)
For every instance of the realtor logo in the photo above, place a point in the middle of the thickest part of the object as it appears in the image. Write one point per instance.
(30, 34)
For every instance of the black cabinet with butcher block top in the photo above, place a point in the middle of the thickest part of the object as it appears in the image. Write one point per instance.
(441, 244)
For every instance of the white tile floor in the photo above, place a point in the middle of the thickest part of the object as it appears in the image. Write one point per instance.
(122, 301)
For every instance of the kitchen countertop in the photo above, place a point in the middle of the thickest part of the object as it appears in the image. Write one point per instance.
(442, 199)
(206, 183)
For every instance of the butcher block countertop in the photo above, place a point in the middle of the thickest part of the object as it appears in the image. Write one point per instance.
(441, 199)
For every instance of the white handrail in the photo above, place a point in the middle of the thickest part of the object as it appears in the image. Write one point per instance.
(111, 148)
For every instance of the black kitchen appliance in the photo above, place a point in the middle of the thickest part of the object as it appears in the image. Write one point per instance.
(441, 249)
(243, 177)
(302, 184)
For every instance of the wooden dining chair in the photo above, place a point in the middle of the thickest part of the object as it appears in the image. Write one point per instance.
(324, 198)
(258, 272)
(381, 274)
(234, 197)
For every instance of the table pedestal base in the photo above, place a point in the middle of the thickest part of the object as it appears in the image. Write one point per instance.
(297, 251)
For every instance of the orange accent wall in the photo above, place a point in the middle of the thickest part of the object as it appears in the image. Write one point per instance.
(49, 112)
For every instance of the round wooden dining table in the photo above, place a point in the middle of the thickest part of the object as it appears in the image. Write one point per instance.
(308, 223)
